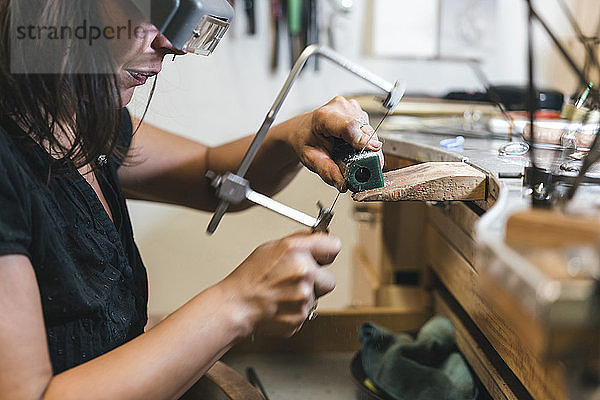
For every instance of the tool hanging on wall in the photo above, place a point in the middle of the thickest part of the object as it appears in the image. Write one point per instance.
(276, 13)
(314, 27)
(233, 188)
(310, 27)
(294, 24)
(301, 21)
(251, 15)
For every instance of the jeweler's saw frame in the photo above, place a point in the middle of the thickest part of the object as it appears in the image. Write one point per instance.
(234, 188)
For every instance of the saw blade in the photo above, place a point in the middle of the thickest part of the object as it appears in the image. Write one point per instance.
(388, 112)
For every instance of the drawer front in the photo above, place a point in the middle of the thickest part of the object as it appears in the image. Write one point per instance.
(390, 237)
(460, 279)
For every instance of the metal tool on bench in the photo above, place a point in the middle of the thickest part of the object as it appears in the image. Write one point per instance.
(233, 188)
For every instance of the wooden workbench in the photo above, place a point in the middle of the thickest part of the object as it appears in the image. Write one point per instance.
(413, 260)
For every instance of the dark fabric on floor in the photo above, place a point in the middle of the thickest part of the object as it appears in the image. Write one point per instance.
(425, 368)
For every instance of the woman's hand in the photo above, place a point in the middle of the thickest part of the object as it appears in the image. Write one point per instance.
(277, 286)
(313, 142)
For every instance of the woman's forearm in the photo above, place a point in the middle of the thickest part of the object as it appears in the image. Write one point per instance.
(163, 362)
(275, 164)
(171, 169)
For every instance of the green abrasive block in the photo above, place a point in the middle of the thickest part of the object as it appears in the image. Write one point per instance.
(362, 171)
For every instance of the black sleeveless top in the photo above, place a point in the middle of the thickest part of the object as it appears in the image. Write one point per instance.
(92, 281)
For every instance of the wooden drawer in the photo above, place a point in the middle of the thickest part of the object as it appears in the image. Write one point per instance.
(390, 236)
(368, 290)
(460, 279)
(365, 281)
(403, 297)
(403, 230)
(336, 331)
(493, 373)
(370, 246)
(455, 221)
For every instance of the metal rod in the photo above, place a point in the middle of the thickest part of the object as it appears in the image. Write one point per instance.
(493, 95)
(532, 96)
(591, 58)
(334, 201)
(281, 209)
(375, 130)
(580, 75)
(218, 215)
(577, 29)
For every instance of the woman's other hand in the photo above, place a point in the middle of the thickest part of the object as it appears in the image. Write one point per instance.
(277, 286)
(313, 142)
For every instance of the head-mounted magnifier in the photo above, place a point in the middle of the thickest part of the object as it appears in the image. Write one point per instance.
(193, 26)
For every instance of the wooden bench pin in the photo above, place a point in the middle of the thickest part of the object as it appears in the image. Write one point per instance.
(430, 181)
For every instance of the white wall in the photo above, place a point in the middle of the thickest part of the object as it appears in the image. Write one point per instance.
(225, 96)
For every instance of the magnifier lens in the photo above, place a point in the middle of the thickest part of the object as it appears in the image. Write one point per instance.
(206, 36)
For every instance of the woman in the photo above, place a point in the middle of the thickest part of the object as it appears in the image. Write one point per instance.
(73, 288)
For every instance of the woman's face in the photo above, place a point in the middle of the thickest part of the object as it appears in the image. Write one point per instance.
(139, 51)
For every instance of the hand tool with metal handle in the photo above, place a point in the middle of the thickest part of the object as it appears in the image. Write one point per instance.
(294, 24)
(235, 189)
(276, 15)
(249, 7)
(394, 91)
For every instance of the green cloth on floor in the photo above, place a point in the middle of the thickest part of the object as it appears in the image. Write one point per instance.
(426, 368)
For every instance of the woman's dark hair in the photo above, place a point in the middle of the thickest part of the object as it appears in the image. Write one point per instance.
(87, 106)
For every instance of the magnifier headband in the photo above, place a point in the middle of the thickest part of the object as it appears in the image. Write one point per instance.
(193, 26)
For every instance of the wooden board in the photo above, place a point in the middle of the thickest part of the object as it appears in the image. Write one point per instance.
(443, 223)
(403, 297)
(393, 162)
(402, 236)
(390, 237)
(365, 281)
(431, 181)
(556, 343)
(334, 331)
(552, 228)
(463, 216)
(370, 241)
(222, 382)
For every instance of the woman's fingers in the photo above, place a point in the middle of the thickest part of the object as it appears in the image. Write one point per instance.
(361, 136)
(324, 282)
(324, 248)
(345, 119)
(314, 142)
(321, 247)
(319, 161)
(279, 282)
